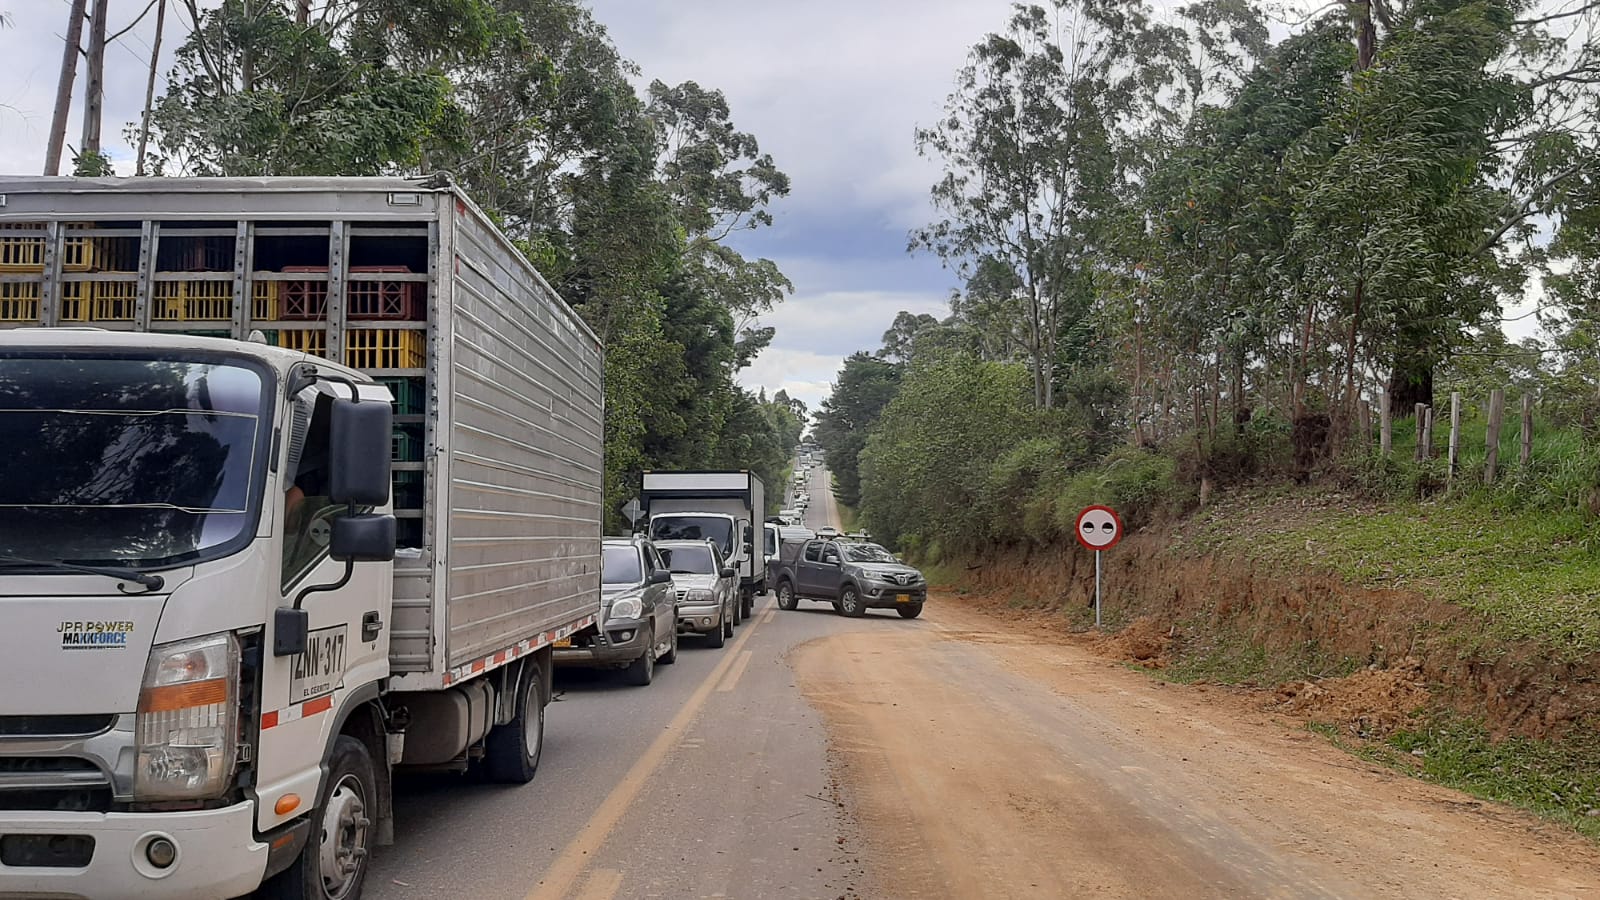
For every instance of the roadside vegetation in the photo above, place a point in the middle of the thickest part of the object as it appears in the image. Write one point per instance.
(1199, 263)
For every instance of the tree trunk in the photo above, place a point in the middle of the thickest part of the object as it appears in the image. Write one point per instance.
(302, 12)
(1366, 34)
(150, 87)
(94, 88)
(1410, 383)
(69, 74)
(247, 56)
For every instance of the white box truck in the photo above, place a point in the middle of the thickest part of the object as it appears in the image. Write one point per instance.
(301, 480)
(721, 506)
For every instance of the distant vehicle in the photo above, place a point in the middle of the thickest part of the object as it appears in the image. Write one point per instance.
(853, 576)
(721, 506)
(827, 531)
(789, 516)
(707, 587)
(639, 614)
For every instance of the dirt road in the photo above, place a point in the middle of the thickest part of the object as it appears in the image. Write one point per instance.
(979, 760)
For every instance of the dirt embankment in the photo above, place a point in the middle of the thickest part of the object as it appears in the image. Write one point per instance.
(1333, 651)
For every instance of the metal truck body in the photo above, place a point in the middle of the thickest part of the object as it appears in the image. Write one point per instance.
(736, 496)
(437, 658)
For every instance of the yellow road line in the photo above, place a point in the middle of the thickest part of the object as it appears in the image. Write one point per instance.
(732, 678)
(603, 884)
(575, 857)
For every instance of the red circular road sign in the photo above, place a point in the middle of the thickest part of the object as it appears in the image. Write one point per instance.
(1098, 528)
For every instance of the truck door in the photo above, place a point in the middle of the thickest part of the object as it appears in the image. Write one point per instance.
(807, 568)
(347, 642)
(831, 573)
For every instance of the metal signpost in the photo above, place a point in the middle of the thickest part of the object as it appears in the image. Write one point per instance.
(1098, 529)
(633, 511)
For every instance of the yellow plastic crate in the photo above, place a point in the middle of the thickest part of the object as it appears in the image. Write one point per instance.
(385, 348)
(98, 301)
(265, 307)
(26, 254)
(312, 342)
(193, 301)
(19, 302)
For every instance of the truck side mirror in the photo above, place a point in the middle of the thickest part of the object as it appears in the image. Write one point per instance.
(729, 572)
(359, 445)
(368, 538)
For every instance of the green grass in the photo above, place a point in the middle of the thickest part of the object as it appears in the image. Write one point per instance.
(1533, 573)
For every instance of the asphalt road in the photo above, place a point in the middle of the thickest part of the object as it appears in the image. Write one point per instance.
(711, 782)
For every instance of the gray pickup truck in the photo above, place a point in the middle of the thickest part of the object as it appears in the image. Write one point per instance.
(854, 576)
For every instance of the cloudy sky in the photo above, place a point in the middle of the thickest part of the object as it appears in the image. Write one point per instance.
(833, 89)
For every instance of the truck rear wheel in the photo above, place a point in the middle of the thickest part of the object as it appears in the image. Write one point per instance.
(333, 864)
(747, 602)
(511, 752)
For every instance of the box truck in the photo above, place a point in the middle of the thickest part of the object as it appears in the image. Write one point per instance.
(721, 506)
(302, 480)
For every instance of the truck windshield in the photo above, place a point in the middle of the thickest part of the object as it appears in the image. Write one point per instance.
(620, 565)
(127, 461)
(689, 560)
(695, 528)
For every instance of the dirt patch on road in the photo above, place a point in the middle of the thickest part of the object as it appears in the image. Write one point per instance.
(979, 761)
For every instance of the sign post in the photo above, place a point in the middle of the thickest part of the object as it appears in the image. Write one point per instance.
(633, 511)
(1098, 528)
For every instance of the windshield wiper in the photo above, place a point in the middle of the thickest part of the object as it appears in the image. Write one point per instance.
(150, 582)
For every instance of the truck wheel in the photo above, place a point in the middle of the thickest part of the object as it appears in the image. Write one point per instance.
(642, 671)
(671, 656)
(786, 598)
(734, 618)
(850, 602)
(748, 599)
(910, 610)
(511, 753)
(719, 636)
(333, 863)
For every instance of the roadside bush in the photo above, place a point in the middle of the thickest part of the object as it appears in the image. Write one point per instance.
(1139, 484)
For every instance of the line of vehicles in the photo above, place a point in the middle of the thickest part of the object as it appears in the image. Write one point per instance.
(303, 490)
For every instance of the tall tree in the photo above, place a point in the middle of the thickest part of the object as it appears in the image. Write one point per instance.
(70, 49)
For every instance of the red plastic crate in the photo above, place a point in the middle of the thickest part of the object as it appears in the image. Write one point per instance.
(303, 300)
(399, 300)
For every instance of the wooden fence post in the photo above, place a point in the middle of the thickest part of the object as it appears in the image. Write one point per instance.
(1427, 433)
(1422, 421)
(1385, 425)
(1455, 432)
(1527, 430)
(1497, 410)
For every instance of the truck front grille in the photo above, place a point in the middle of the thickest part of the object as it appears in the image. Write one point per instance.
(53, 784)
(54, 726)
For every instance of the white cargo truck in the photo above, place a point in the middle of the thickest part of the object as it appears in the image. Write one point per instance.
(719, 506)
(301, 481)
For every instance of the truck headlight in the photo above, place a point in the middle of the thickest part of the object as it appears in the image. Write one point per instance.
(188, 720)
(626, 608)
(699, 595)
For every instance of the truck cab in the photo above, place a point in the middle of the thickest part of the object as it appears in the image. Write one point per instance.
(177, 512)
(726, 508)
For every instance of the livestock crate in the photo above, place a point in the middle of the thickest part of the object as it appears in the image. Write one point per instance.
(19, 301)
(407, 443)
(407, 490)
(304, 300)
(410, 395)
(26, 253)
(396, 300)
(193, 301)
(265, 307)
(314, 342)
(98, 301)
(385, 348)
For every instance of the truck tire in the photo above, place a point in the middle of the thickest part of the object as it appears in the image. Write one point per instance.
(910, 610)
(511, 752)
(786, 599)
(642, 671)
(748, 602)
(735, 618)
(716, 638)
(342, 832)
(850, 602)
